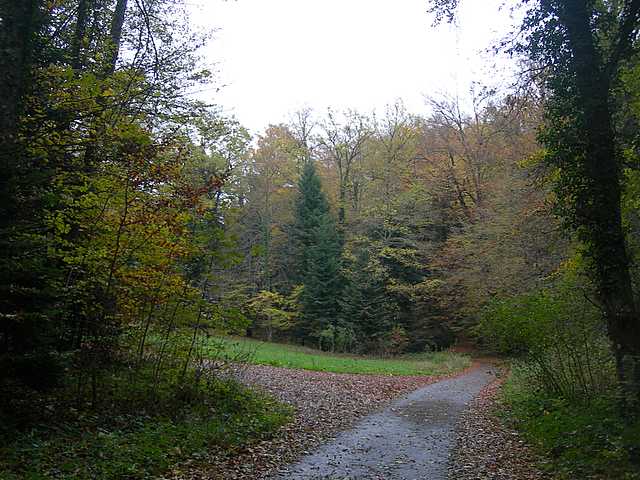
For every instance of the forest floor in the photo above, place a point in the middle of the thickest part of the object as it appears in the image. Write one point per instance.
(349, 426)
(486, 449)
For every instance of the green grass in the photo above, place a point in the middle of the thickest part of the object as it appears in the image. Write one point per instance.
(291, 356)
(580, 440)
(112, 445)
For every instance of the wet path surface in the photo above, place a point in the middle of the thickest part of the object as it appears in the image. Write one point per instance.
(410, 439)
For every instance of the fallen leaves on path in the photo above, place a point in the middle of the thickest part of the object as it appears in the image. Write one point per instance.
(324, 404)
(488, 450)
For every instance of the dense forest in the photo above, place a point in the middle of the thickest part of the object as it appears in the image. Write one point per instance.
(377, 231)
(138, 226)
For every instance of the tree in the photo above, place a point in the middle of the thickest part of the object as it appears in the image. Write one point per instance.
(104, 202)
(273, 312)
(342, 145)
(21, 286)
(311, 206)
(321, 281)
(388, 161)
(582, 46)
(319, 248)
(366, 305)
(270, 179)
(21, 25)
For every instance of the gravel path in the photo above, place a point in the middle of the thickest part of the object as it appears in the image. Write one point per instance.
(411, 439)
(366, 427)
(324, 404)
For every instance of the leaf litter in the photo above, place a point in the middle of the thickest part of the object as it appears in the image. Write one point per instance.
(324, 404)
(487, 449)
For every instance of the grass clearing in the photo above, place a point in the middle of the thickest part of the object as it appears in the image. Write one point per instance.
(293, 356)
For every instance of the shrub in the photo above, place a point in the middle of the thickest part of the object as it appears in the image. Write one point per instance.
(581, 440)
(337, 339)
(140, 437)
(559, 334)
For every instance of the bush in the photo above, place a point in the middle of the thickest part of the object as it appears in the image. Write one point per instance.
(337, 339)
(582, 440)
(562, 392)
(560, 336)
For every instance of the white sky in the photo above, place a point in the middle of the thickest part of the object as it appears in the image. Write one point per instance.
(277, 56)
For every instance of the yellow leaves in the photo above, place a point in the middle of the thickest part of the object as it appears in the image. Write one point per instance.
(429, 287)
(534, 160)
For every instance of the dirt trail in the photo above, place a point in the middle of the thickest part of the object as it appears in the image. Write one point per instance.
(410, 439)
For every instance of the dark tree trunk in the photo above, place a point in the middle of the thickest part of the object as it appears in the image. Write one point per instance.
(599, 211)
(113, 52)
(342, 200)
(116, 35)
(79, 34)
(19, 24)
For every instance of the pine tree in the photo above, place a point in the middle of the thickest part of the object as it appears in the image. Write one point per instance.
(366, 306)
(322, 284)
(311, 206)
(319, 250)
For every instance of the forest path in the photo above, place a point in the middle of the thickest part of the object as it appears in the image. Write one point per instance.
(410, 439)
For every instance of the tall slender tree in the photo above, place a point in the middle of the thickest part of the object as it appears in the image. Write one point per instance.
(311, 206)
(322, 283)
(319, 248)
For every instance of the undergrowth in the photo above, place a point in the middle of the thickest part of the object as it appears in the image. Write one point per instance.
(130, 436)
(582, 439)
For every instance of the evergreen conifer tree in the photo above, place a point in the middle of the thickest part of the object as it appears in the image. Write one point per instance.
(311, 206)
(366, 306)
(319, 250)
(322, 284)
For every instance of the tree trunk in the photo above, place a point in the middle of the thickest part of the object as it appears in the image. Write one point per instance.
(342, 199)
(20, 23)
(21, 20)
(599, 210)
(79, 34)
(116, 35)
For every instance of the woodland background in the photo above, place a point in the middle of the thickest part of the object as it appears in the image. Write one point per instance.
(138, 225)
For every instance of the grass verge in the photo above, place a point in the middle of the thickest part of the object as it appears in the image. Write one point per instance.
(139, 445)
(580, 440)
(292, 356)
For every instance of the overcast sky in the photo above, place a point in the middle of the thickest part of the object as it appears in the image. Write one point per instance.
(277, 56)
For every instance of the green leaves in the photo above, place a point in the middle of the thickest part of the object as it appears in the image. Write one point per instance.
(273, 312)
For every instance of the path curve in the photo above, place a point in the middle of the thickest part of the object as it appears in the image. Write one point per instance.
(410, 439)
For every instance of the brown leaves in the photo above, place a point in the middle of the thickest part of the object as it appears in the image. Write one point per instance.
(324, 403)
(486, 449)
